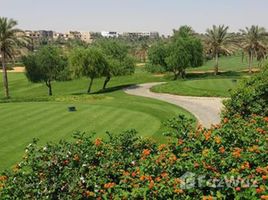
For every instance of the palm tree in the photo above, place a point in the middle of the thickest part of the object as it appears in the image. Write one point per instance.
(143, 51)
(218, 41)
(253, 42)
(10, 39)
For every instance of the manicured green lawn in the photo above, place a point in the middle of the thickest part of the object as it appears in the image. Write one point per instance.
(226, 63)
(210, 87)
(33, 115)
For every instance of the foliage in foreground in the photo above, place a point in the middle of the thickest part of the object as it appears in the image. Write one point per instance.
(251, 97)
(129, 167)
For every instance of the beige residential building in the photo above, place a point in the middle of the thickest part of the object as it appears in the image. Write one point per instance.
(86, 37)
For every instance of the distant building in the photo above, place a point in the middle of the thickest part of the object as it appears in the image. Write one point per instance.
(109, 34)
(141, 34)
(39, 34)
(51, 35)
(86, 37)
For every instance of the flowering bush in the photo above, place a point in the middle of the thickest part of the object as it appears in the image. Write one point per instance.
(232, 157)
(251, 97)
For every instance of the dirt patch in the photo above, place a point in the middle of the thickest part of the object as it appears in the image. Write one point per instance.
(16, 70)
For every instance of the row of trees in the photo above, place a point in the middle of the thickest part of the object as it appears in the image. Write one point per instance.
(216, 41)
(105, 58)
(50, 63)
(184, 49)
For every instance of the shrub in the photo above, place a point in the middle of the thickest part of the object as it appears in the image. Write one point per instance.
(126, 166)
(251, 97)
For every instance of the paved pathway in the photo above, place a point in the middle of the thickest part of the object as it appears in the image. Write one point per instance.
(205, 109)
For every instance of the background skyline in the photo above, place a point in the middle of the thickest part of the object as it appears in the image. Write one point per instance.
(134, 15)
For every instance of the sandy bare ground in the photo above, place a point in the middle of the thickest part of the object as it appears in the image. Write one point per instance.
(206, 109)
(16, 70)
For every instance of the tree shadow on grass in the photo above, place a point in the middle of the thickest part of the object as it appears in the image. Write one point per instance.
(107, 90)
(227, 74)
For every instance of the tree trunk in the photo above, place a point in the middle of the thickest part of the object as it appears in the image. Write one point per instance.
(90, 85)
(216, 69)
(107, 79)
(250, 60)
(183, 73)
(5, 78)
(48, 83)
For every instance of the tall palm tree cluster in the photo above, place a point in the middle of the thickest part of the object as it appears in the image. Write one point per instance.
(253, 41)
(10, 39)
(217, 41)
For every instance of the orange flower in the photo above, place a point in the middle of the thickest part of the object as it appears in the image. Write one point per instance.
(237, 152)
(264, 177)
(98, 142)
(142, 178)
(161, 147)
(151, 185)
(254, 148)
(196, 165)
(125, 173)
(261, 189)
(164, 174)
(207, 135)
(177, 180)
(245, 165)
(172, 158)
(157, 179)
(109, 185)
(3, 178)
(207, 198)
(217, 139)
(146, 152)
(178, 191)
(89, 194)
(180, 141)
(238, 189)
(266, 119)
(186, 149)
(225, 120)
(222, 150)
(264, 197)
(260, 130)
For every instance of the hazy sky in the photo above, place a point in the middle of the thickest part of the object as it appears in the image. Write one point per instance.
(134, 15)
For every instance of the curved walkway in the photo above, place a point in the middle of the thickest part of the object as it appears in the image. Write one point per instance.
(206, 109)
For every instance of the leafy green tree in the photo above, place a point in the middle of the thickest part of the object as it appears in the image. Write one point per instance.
(185, 50)
(119, 61)
(46, 65)
(157, 54)
(10, 39)
(117, 68)
(88, 62)
(218, 41)
(254, 43)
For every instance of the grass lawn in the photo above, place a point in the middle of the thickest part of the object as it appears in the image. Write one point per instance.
(32, 114)
(206, 85)
(226, 63)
